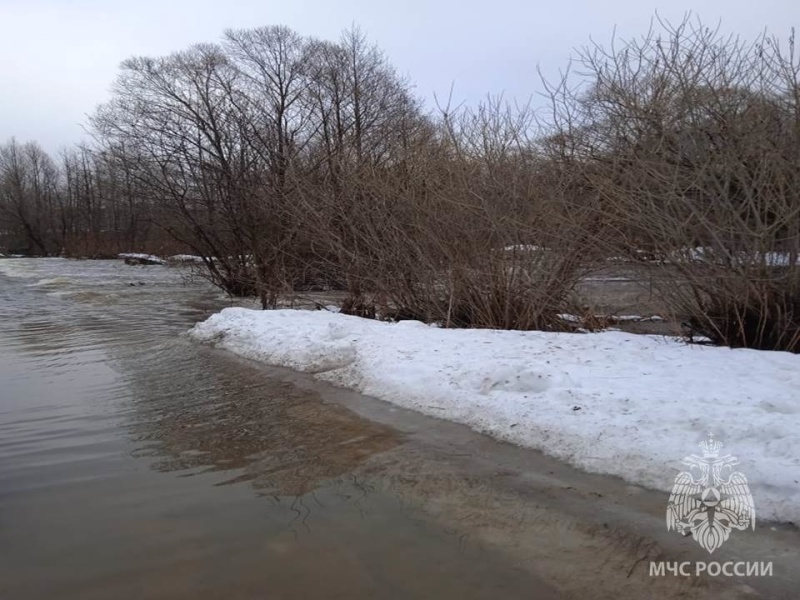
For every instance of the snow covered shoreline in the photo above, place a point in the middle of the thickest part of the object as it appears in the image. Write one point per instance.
(621, 404)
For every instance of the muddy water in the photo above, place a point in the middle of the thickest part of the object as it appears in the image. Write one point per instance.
(137, 464)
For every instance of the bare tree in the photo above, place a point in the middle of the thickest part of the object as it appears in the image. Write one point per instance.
(29, 198)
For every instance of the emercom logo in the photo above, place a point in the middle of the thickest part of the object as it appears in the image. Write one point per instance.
(710, 499)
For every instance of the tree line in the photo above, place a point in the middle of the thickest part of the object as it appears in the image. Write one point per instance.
(289, 163)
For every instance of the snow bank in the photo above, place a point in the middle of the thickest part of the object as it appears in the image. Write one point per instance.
(701, 254)
(184, 258)
(145, 258)
(568, 318)
(609, 402)
(709, 255)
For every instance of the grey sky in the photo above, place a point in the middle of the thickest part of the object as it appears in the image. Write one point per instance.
(59, 57)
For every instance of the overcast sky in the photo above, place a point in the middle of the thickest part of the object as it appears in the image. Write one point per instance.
(58, 58)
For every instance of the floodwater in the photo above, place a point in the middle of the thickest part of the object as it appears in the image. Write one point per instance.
(135, 463)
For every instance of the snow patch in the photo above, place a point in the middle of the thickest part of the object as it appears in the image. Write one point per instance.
(616, 403)
(184, 258)
(143, 257)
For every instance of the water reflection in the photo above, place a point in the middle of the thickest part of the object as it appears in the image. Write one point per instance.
(217, 413)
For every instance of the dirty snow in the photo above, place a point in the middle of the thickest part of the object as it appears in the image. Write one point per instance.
(185, 258)
(701, 254)
(136, 255)
(610, 402)
(569, 318)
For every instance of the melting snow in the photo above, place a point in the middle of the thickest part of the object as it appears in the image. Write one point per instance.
(616, 403)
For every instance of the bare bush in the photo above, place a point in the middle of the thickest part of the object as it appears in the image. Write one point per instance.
(692, 141)
(291, 164)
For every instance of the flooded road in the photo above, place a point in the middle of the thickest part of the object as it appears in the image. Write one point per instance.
(137, 464)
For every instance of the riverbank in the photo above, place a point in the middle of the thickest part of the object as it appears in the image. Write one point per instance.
(612, 403)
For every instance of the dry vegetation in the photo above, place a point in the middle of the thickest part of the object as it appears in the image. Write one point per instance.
(290, 163)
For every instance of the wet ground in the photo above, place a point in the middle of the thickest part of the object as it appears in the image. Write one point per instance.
(137, 464)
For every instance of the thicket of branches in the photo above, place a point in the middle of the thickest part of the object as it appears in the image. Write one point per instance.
(290, 163)
(691, 140)
(84, 203)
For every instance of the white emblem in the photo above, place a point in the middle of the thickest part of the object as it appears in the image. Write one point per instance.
(710, 499)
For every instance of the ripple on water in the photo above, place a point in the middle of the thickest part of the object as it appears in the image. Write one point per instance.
(134, 463)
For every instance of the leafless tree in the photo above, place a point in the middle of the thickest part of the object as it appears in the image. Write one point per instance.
(692, 140)
(29, 197)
